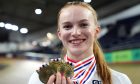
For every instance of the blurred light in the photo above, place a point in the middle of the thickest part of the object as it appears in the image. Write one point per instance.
(47, 43)
(2, 24)
(50, 36)
(34, 43)
(14, 28)
(38, 11)
(8, 26)
(87, 1)
(23, 30)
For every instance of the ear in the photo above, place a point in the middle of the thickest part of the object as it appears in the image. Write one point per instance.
(98, 29)
(59, 34)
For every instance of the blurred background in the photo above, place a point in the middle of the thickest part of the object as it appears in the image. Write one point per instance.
(28, 36)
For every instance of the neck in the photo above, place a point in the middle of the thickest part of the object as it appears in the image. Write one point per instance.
(78, 57)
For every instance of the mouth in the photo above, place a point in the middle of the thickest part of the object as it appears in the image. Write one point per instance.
(77, 42)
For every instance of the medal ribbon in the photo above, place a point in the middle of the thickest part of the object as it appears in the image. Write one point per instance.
(83, 69)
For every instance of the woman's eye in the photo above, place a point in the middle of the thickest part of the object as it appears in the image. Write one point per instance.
(84, 25)
(67, 27)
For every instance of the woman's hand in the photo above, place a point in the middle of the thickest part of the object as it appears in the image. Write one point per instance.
(59, 79)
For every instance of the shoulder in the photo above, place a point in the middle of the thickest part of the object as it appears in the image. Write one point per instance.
(119, 78)
(34, 79)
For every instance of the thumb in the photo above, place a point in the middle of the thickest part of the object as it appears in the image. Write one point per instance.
(69, 81)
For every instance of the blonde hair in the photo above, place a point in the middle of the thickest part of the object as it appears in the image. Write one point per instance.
(102, 68)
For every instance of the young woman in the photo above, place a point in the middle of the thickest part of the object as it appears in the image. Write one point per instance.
(78, 29)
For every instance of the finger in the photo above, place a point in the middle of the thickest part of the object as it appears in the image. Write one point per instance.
(63, 80)
(58, 78)
(69, 81)
(51, 79)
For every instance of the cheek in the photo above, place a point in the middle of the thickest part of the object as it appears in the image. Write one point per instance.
(92, 36)
(64, 40)
(64, 36)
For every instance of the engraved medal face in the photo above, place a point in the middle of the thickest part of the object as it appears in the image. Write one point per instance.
(57, 65)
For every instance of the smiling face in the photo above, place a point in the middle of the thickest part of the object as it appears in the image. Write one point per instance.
(77, 30)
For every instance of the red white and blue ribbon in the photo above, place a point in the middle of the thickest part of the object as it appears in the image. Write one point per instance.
(83, 70)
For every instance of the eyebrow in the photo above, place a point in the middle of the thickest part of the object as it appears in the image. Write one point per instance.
(83, 20)
(67, 22)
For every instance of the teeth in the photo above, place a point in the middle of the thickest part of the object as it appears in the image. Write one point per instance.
(76, 41)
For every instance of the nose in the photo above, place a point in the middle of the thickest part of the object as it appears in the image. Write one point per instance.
(76, 32)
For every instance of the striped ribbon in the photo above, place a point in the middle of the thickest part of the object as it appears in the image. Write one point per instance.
(83, 70)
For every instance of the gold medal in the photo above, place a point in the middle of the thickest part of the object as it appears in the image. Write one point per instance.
(57, 65)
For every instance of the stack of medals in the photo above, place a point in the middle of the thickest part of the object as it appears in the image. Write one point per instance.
(53, 67)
